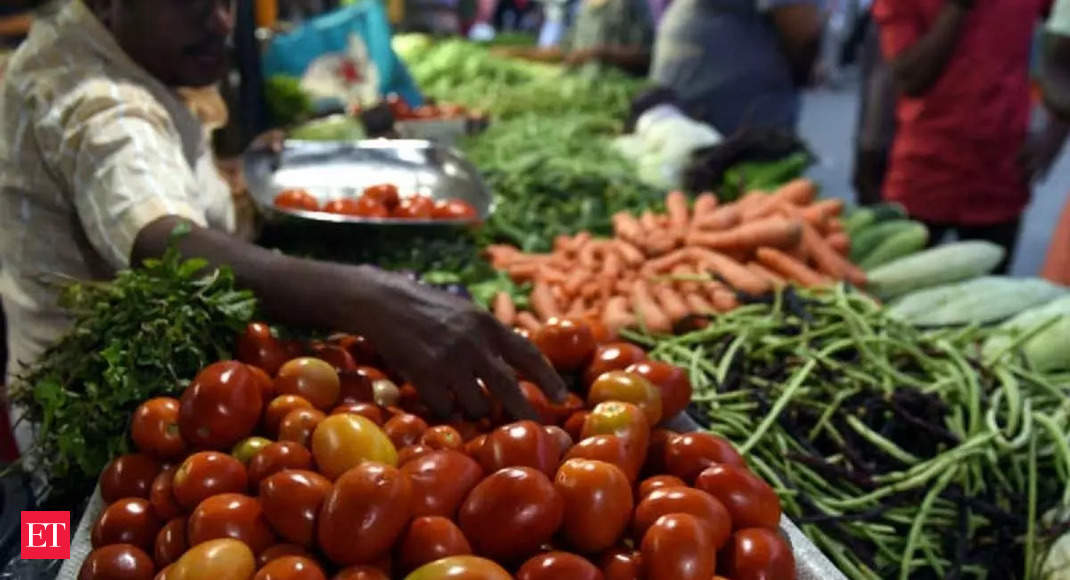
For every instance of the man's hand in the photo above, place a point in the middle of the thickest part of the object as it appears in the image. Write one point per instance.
(273, 140)
(1041, 150)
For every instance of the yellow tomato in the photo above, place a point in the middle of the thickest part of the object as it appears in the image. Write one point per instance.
(247, 448)
(341, 442)
(460, 568)
(629, 388)
(223, 559)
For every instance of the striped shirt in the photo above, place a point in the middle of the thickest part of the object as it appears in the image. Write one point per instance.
(92, 149)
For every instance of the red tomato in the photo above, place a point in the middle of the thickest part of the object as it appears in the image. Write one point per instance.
(343, 206)
(278, 408)
(220, 559)
(678, 547)
(360, 348)
(556, 565)
(561, 438)
(277, 457)
(205, 474)
(291, 568)
(511, 513)
(407, 454)
(416, 207)
(361, 573)
(751, 502)
(162, 497)
(267, 386)
(127, 521)
(409, 400)
(608, 448)
(659, 482)
(296, 199)
(128, 476)
(231, 515)
(279, 551)
(431, 538)
(758, 554)
(258, 347)
(311, 378)
(671, 381)
(629, 388)
(369, 411)
(386, 194)
(247, 448)
(455, 209)
(154, 428)
(440, 482)
(460, 568)
(367, 207)
(565, 409)
(574, 424)
(689, 453)
(474, 447)
(442, 437)
(405, 429)
(117, 561)
(221, 407)
(337, 357)
(298, 425)
(520, 444)
(568, 343)
(684, 500)
(615, 356)
(364, 514)
(598, 503)
(344, 441)
(622, 564)
(171, 542)
(655, 453)
(291, 500)
(355, 387)
(624, 420)
(539, 402)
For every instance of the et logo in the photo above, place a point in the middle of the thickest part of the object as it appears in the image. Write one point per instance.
(46, 535)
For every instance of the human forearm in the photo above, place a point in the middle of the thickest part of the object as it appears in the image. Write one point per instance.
(1056, 75)
(919, 67)
(632, 59)
(799, 28)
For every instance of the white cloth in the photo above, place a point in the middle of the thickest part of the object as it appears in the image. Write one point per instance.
(1059, 21)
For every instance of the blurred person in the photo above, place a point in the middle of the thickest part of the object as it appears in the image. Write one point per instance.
(876, 119)
(738, 63)
(1055, 81)
(963, 159)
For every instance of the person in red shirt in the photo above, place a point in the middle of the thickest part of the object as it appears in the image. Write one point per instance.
(962, 158)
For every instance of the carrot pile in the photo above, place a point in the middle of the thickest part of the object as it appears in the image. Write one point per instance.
(696, 258)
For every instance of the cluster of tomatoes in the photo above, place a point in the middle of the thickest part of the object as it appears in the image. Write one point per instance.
(304, 460)
(381, 201)
(402, 111)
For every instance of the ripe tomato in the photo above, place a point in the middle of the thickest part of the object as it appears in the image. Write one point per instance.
(221, 407)
(311, 378)
(291, 568)
(539, 402)
(405, 429)
(154, 428)
(369, 411)
(474, 447)
(460, 568)
(231, 515)
(337, 357)
(629, 388)
(298, 425)
(298, 199)
(670, 380)
(655, 453)
(615, 356)
(416, 207)
(574, 424)
(678, 547)
(568, 343)
(563, 410)
(608, 448)
(247, 448)
(683, 500)
(386, 194)
(442, 437)
(561, 438)
(598, 503)
(355, 387)
(258, 347)
(658, 482)
(431, 538)
(222, 559)
(343, 206)
(279, 407)
(750, 501)
(342, 442)
(688, 454)
(128, 476)
(520, 444)
(407, 454)
(511, 513)
(624, 420)
(622, 564)
(758, 554)
(410, 401)
(279, 551)
(359, 347)
(440, 482)
(277, 457)
(117, 561)
(162, 497)
(171, 542)
(205, 474)
(555, 565)
(267, 386)
(369, 208)
(454, 209)
(127, 521)
(291, 500)
(364, 513)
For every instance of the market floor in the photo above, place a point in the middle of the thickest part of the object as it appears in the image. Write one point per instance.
(828, 124)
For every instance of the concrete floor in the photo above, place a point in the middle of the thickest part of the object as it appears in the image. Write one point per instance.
(828, 124)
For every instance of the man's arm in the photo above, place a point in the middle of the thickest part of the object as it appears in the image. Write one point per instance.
(799, 27)
(917, 68)
(1055, 80)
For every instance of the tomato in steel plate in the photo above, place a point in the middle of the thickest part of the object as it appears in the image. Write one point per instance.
(247, 448)
(460, 568)
(162, 497)
(689, 453)
(154, 428)
(386, 194)
(539, 402)
(442, 437)
(598, 503)
(758, 554)
(127, 521)
(574, 424)
(298, 425)
(369, 411)
(622, 564)
(455, 209)
(520, 444)
(205, 474)
(291, 568)
(608, 448)
(170, 542)
(311, 378)
(678, 547)
(343, 206)
(750, 501)
(355, 387)
(364, 513)
(221, 407)
(277, 457)
(128, 476)
(511, 513)
(650, 484)
(557, 565)
(291, 500)
(336, 356)
(474, 447)
(684, 500)
(431, 538)
(416, 207)
(672, 381)
(279, 407)
(371, 208)
(629, 388)
(222, 559)
(231, 515)
(405, 429)
(563, 410)
(567, 343)
(298, 199)
(655, 453)
(342, 442)
(615, 356)
(258, 347)
(561, 438)
(280, 551)
(440, 482)
(117, 561)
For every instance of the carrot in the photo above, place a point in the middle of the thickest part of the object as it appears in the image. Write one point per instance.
(547, 273)
(522, 271)
(666, 262)
(528, 322)
(649, 222)
(562, 243)
(676, 207)
(799, 191)
(724, 300)
(672, 304)
(834, 226)
(659, 243)
(611, 266)
(686, 287)
(543, 301)
(698, 304)
(577, 307)
(751, 199)
(722, 218)
(616, 315)
(734, 273)
(828, 260)
(820, 212)
(626, 227)
(504, 309)
(631, 255)
(775, 232)
(576, 278)
(591, 253)
(650, 314)
(840, 242)
(776, 279)
(705, 203)
(789, 267)
(624, 286)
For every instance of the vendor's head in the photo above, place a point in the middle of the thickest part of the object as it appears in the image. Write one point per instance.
(180, 42)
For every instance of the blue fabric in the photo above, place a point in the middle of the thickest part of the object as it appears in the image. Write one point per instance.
(290, 54)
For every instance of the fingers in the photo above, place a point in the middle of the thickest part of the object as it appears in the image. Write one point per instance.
(434, 394)
(470, 398)
(523, 356)
(502, 384)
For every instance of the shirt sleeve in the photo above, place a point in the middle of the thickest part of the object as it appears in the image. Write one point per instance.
(900, 26)
(1059, 21)
(122, 162)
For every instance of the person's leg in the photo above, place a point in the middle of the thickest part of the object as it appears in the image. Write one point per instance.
(1004, 235)
(937, 232)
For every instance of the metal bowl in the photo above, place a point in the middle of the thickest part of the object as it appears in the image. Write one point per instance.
(334, 170)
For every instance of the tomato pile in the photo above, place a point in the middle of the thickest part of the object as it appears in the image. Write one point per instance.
(402, 111)
(302, 460)
(380, 201)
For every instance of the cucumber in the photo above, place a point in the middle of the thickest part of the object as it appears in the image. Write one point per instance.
(865, 241)
(904, 242)
(941, 265)
(889, 211)
(859, 220)
(981, 301)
